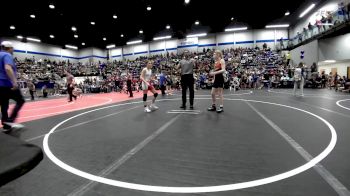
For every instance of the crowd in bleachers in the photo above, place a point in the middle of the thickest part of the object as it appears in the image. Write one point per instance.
(247, 68)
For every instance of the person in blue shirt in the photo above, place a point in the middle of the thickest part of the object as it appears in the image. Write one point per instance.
(9, 88)
(162, 81)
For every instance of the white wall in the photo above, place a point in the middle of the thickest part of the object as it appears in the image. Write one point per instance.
(281, 34)
(128, 50)
(116, 54)
(85, 52)
(171, 44)
(242, 37)
(337, 48)
(341, 68)
(141, 48)
(206, 42)
(250, 38)
(157, 47)
(99, 55)
(92, 55)
(99, 52)
(265, 36)
(310, 55)
(42, 51)
(85, 55)
(70, 53)
(225, 40)
(190, 44)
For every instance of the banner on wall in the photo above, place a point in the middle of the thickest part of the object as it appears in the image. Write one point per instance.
(189, 41)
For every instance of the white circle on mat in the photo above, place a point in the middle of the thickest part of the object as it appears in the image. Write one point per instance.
(203, 189)
(338, 103)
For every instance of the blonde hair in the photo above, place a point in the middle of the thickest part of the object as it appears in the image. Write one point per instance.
(149, 61)
(218, 53)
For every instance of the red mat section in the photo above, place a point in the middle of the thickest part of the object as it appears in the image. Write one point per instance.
(47, 108)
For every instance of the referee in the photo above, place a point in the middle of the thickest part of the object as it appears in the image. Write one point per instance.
(187, 81)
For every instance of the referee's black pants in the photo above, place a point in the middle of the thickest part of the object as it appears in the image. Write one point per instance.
(187, 81)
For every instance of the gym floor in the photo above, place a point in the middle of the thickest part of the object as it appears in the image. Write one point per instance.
(264, 143)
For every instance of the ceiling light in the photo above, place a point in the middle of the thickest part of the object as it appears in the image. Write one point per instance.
(277, 26)
(104, 39)
(76, 36)
(197, 22)
(51, 6)
(330, 61)
(160, 38)
(187, 1)
(92, 23)
(168, 27)
(74, 28)
(32, 16)
(149, 8)
(52, 36)
(71, 47)
(236, 29)
(111, 46)
(134, 42)
(287, 13)
(83, 44)
(141, 31)
(115, 16)
(12, 27)
(197, 35)
(19, 37)
(33, 39)
(307, 10)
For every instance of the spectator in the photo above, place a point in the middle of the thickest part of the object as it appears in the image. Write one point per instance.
(336, 81)
(300, 37)
(341, 12)
(31, 88)
(281, 43)
(299, 79)
(311, 29)
(264, 46)
(323, 22)
(313, 68)
(305, 33)
(324, 80)
(129, 83)
(162, 82)
(44, 91)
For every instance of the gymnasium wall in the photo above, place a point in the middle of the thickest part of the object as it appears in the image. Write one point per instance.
(249, 38)
(42, 51)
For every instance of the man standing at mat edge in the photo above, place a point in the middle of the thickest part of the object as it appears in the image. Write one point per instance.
(9, 88)
(187, 81)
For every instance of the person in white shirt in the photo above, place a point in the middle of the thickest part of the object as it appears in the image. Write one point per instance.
(299, 79)
(146, 77)
(234, 83)
(250, 81)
